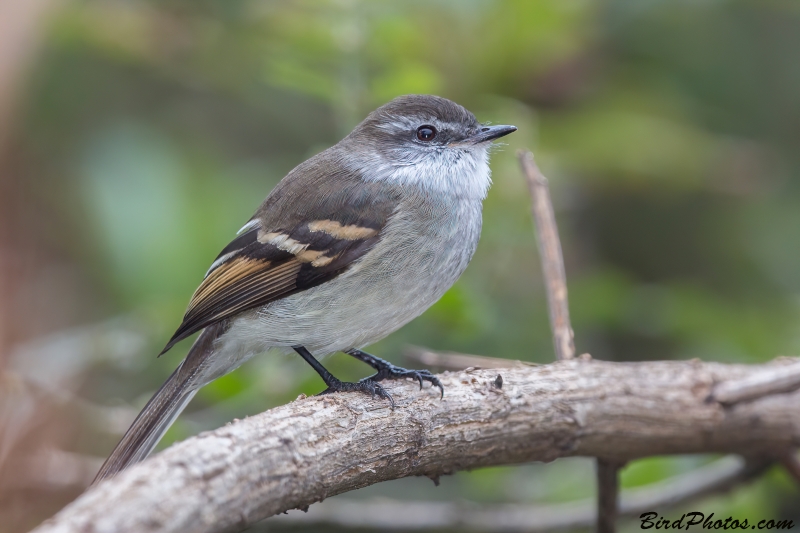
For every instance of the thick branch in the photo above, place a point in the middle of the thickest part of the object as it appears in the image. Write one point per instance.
(303, 452)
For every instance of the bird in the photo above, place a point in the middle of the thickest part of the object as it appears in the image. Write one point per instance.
(348, 247)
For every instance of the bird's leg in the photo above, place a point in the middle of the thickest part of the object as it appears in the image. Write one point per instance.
(334, 385)
(386, 370)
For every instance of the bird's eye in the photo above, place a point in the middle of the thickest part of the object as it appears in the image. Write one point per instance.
(426, 133)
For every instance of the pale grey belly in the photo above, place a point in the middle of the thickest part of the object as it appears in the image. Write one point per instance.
(389, 287)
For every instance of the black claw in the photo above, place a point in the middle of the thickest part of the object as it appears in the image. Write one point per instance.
(438, 383)
(386, 370)
(377, 389)
(366, 386)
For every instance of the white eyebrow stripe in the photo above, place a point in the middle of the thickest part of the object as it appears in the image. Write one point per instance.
(250, 225)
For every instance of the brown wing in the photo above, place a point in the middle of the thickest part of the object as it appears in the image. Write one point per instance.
(261, 266)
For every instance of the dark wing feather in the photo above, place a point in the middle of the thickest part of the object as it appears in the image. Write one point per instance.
(285, 249)
(260, 266)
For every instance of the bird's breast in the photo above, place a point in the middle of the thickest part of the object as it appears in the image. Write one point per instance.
(424, 247)
(427, 244)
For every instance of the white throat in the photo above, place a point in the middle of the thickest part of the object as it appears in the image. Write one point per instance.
(459, 172)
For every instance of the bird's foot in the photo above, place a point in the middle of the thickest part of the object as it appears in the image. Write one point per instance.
(366, 385)
(386, 370)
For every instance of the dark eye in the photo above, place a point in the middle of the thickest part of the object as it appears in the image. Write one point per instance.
(426, 133)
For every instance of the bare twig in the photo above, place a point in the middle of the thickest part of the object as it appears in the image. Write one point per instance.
(555, 280)
(314, 448)
(770, 381)
(551, 256)
(607, 494)
(457, 361)
(382, 514)
(792, 465)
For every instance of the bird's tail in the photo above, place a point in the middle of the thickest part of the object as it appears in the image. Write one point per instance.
(164, 407)
(151, 424)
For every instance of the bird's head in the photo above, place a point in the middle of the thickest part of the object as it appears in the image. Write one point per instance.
(425, 140)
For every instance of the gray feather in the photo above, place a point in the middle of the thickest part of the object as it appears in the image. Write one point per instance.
(379, 226)
(163, 408)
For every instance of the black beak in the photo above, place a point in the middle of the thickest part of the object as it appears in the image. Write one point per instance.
(490, 133)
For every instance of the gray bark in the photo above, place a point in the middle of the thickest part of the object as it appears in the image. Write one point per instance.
(313, 448)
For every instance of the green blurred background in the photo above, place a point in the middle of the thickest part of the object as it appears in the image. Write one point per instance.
(147, 133)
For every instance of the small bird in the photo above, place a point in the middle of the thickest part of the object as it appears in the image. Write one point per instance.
(350, 246)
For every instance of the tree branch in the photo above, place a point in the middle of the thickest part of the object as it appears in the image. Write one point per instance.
(457, 361)
(607, 494)
(555, 277)
(758, 384)
(303, 452)
(792, 465)
(386, 515)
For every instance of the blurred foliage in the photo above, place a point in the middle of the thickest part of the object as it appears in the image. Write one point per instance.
(668, 128)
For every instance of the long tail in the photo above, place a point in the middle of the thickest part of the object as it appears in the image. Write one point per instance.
(151, 424)
(162, 409)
